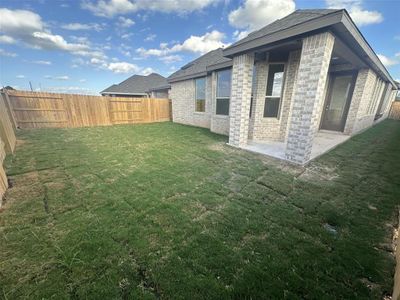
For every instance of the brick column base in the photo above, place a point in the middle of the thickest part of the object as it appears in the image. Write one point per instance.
(242, 73)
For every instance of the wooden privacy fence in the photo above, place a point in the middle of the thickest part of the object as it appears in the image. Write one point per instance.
(395, 110)
(3, 177)
(38, 110)
(7, 142)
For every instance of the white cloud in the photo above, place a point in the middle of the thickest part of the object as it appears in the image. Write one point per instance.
(104, 8)
(8, 54)
(123, 67)
(195, 44)
(238, 35)
(49, 41)
(115, 66)
(110, 8)
(388, 62)
(169, 59)
(5, 39)
(81, 26)
(42, 62)
(150, 37)
(69, 90)
(397, 54)
(20, 76)
(201, 44)
(19, 21)
(126, 36)
(82, 80)
(147, 71)
(179, 6)
(359, 15)
(254, 14)
(125, 22)
(63, 77)
(29, 28)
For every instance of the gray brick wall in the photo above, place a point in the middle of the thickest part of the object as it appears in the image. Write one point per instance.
(242, 73)
(183, 103)
(272, 128)
(364, 102)
(308, 96)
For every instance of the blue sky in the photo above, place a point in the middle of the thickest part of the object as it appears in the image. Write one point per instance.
(83, 46)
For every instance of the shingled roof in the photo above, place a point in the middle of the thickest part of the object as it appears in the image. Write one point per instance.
(295, 18)
(137, 84)
(298, 24)
(198, 67)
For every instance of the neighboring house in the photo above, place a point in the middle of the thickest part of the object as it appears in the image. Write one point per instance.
(7, 88)
(153, 85)
(293, 89)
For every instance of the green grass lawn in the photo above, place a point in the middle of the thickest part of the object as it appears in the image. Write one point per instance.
(166, 211)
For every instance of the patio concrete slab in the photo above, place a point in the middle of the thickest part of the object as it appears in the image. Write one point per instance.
(323, 142)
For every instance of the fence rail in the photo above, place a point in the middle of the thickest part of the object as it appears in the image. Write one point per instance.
(38, 110)
(395, 110)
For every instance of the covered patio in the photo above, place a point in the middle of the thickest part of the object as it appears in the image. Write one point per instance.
(324, 141)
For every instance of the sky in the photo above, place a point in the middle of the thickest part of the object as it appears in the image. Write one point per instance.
(84, 46)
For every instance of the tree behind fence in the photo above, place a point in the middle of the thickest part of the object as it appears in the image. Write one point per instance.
(38, 110)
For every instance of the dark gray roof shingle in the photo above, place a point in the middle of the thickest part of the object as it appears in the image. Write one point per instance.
(137, 84)
(295, 18)
(199, 65)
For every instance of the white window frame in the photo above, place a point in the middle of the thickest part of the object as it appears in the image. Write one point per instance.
(282, 90)
(195, 95)
(216, 93)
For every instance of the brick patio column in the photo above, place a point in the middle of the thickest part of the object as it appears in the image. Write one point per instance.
(242, 72)
(362, 94)
(308, 96)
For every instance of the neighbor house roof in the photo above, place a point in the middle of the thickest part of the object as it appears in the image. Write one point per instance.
(201, 65)
(161, 87)
(137, 85)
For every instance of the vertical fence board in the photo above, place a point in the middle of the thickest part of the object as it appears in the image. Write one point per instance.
(395, 110)
(6, 127)
(3, 177)
(37, 110)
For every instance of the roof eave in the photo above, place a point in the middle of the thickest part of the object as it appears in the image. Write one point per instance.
(362, 42)
(311, 25)
(187, 77)
(164, 87)
(218, 66)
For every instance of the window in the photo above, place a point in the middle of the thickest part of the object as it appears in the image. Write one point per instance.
(274, 90)
(200, 98)
(223, 92)
(383, 101)
(374, 96)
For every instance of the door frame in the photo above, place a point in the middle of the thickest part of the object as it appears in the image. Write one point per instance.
(328, 95)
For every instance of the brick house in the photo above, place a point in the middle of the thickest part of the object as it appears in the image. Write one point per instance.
(293, 89)
(140, 86)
